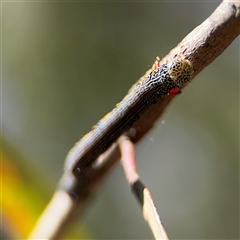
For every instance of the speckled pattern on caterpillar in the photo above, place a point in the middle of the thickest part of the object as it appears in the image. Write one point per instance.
(146, 92)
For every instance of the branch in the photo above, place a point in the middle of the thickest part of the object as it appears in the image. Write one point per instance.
(201, 46)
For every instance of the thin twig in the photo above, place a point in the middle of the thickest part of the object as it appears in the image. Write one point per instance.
(140, 191)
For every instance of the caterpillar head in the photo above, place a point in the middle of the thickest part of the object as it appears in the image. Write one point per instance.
(181, 71)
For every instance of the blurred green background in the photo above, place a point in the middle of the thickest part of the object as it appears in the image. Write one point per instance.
(66, 64)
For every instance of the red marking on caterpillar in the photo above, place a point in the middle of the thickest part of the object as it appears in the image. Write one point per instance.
(156, 65)
(174, 91)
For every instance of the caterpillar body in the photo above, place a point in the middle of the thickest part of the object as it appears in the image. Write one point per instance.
(146, 92)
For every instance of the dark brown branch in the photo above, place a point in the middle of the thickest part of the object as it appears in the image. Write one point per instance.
(201, 46)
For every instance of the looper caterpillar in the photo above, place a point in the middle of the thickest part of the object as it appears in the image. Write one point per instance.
(168, 78)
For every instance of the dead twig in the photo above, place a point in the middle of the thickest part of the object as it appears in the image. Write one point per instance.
(140, 191)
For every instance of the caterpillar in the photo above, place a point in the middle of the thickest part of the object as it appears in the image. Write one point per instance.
(167, 78)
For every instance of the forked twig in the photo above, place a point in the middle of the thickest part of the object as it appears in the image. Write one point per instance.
(201, 46)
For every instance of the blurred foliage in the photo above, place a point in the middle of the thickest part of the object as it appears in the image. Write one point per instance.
(65, 64)
(25, 194)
